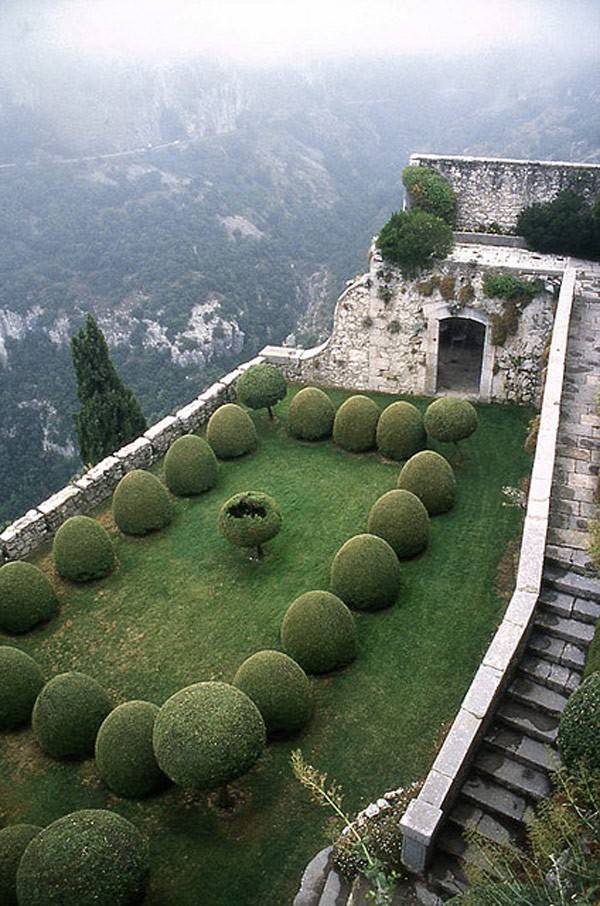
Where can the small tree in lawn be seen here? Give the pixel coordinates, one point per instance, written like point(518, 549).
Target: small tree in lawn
point(450, 420)
point(249, 520)
point(261, 387)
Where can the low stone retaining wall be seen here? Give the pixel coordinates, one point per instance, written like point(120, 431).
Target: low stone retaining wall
point(38, 525)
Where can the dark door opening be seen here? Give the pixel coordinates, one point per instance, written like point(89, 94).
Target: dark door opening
point(460, 355)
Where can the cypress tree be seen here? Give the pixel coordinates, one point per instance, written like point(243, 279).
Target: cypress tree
point(110, 415)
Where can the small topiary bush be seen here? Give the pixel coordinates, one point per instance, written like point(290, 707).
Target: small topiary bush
point(124, 754)
point(26, 597)
point(68, 713)
point(231, 432)
point(400, 431)
point(21, 680)
point(261, 387)
point(414, 240)
point(429, 191)
point(431, 478)
point(579, 729)
point(91, 856)
point(279, 688)
point(311, 414)
point(355, 424)
point(82, 550)
point(450, 419)
point(400, 518)
point(249, 520)
point(365, 573)
point(141, 504)
point(191, 466)
point(318, 631)
point(207, 735)
point(14, 840)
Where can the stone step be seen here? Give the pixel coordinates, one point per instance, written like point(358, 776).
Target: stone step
point(554, 676)
point(568, 630)
point(568, 558)
point(336, 890)
point(527, 692)
point(495, 798)
point(542, 727)
point(572, 583)
point(587, 611)
point(524, 749)
point(447, 875)
point(555, 650)
point(469, 816)
point(314, 879)
point(451, 841)
point(527, 781)
point(556, 602)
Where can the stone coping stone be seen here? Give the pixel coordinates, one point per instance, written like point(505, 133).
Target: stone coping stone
point(99, 482)
point(507, 644)
point(25, 534)
point(458, 744)
point(193, 416)
point(312, 883)
point(421, 821)
point(213, 397)
point(139, 454)
point(163, 433)
point(60, 506)
point(281, 355)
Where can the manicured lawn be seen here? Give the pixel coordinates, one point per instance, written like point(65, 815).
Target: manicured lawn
point(184, 607)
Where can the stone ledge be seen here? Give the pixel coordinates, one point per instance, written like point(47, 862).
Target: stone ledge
point(99, 482)
point(139, 454)
point(65, 503)
point(163, 433)
point(23, 536)
point(192, 416)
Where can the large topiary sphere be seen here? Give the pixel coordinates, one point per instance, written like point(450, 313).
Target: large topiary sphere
point(450, 419)
point(83, 550)
point(431, 478)
point(401, 519)
point(68, 713)
point(311, 414)
point(279, 688)
point(124, 754)
point(14, 840)
point(208, 734)
point(231, 432)
point(141, 504)
point(26, 597)
point(365, 573)
point(319, 632)
point(190, 466)
point(400, 431)
point(250, 519)
point(579, 730)
point(355, 424)
point(20, 683)
point(88, 858)
point(261, 387)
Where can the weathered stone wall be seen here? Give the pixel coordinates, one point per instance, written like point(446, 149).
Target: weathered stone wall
point(494, 191)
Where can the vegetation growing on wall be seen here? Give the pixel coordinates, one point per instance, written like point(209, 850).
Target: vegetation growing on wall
point(430, 192)
point(414, 240)
point(566, 226)
point(516, 295)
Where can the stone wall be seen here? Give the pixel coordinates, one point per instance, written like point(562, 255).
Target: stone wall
point(494, 191)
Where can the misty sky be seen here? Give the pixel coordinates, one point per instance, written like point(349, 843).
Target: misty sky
point(276, 31)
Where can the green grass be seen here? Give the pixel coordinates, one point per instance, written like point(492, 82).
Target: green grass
point(184, 607)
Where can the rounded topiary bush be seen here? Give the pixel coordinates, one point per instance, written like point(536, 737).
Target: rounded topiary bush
point(401, 519)
point(21, 680)
point(279, 688)
point(26, 597)
point(231, 432)
point(190, 466)
point(261, 387)
point(450, 419)
point(365, 573)
point(318, 631)
point(311, 414)
point(68, 713)
point(431, 478)
point(88, 858)
point(124, 753)
point(14, 840)
point(400, 431)
point(355, 424)
point(579, 730)
point(82, 550)
point(250, 519)
point(141, 504)
point(207, 735)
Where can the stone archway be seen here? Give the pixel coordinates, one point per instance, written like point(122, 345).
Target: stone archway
point(459, 351)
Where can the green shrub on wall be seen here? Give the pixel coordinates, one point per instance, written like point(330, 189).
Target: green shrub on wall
point(124, 753)
point(82, 550)
point(355, 424)
point(21, 681)
point(318, 631)
point(26, 597)
point(365, 573)
point(191, 467)
point(414, 240)
point(429, 191)
point(565, 226)
point(231, 432)
point(68, 713)
point(311, 414)
point(279, 688)
point(400, 518)
point(400, 431)
point(261, 387)
point(141, 504)
point(431, 478)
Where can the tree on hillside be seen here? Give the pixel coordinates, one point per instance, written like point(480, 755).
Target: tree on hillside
point(110, 415)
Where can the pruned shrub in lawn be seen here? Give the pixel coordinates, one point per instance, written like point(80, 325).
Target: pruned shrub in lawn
point(191, 466)
point(68, 713)
point(365, 573)
point(21, 680)
point(279, 688)
point(26, 597)
point(311, 414)
point(355, 424)
point(249, 520)
point(261, 387)
point(431, 478)
point(450, 419)
point(231, 432)
point(318, 631)
point(14, 840)
point(400, 431)
point(141, 504)
point(208, 734)
point(82, 550)
point(400, 518)
point(92, 857)
point(579, 730)
point(124, 754)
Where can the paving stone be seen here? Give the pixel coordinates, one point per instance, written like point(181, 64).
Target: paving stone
point(569, 630)
point(525, 690)
point(522, 748)
point(519, 778)
point(543, 727)
point(495, 798)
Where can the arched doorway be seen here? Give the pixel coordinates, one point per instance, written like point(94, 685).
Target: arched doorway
point(460, 355)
